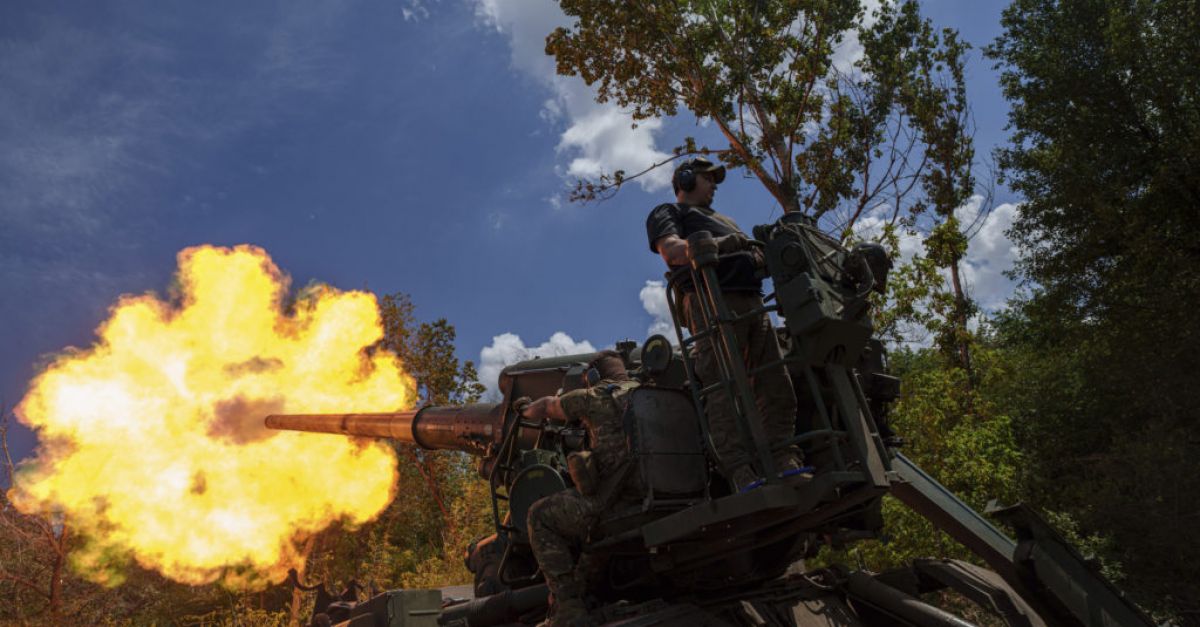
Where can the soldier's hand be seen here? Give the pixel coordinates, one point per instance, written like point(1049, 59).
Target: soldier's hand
point(759, 259)
point(732, 243)
point(581, 466)
point(521, 404)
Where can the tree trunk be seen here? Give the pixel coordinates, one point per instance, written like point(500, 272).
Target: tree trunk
point(56, 572)
point(960, 323)
point(427, 473)
point(789, 204)
point(297, 594)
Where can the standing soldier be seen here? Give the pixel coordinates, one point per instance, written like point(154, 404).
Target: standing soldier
point(668, 226)
point(559, 524)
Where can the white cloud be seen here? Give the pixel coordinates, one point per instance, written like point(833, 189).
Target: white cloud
point(990, 253)
point(598, 137)
point(870, 227)
point(509, 348)
point(415, 11)
point(654, 301)
point(850, 50)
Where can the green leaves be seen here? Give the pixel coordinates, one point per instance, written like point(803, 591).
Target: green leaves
point(957, 433)
point(427, 352)
point(1105, 148)
point(1104, 142)
point(821, 137)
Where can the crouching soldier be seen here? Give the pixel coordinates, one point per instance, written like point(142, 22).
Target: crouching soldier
point(559, 524)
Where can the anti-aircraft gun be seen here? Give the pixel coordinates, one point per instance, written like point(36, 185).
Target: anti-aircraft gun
point(692, 552)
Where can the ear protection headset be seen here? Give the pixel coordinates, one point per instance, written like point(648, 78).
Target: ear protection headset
point(685, 177)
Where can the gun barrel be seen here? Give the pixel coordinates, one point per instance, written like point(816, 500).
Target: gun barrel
point(469, 428)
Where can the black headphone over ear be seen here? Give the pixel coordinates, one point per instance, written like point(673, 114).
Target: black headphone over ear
point(685, 178)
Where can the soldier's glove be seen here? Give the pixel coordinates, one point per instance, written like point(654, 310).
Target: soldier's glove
point(732, 243)
point(521, 404)
point(582, 468)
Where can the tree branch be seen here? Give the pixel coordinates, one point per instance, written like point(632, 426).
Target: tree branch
point(586, 191)
point(5, 421)
point(6, 576)
point(431, 483)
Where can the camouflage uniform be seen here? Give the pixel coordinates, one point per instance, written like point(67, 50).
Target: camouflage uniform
point(559, 524)
point(775, 398)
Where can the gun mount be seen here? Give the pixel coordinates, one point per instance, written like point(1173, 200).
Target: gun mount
point(693, 553)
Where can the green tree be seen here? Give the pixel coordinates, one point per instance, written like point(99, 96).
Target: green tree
point(816, 135)
point(427, 351)
point(33, 551)
point(1106, 150)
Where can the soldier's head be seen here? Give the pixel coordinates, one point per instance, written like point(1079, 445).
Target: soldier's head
point(607, 365)
point(695, 181)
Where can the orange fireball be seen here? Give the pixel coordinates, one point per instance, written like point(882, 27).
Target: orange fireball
point(152, 439)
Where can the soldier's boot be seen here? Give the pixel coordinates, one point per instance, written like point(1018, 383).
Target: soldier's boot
point(743, 479)
point(570, 613)
point(568, 608)
point(791, 467)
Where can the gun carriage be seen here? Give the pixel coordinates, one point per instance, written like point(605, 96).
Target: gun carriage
point(692, 552)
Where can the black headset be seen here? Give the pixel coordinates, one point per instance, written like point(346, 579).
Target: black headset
point(685, 177)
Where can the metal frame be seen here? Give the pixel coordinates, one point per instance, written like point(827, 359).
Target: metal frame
point(716, 320)
point(848, 406)
point(501, 468)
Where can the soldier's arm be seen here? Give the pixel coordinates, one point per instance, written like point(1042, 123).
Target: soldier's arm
point(673, 249)
point(546, 407)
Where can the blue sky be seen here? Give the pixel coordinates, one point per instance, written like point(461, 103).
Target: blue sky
point(406, 145)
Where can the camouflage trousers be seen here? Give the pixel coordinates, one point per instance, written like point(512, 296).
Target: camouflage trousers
point(776, 400)
point(558, 527)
